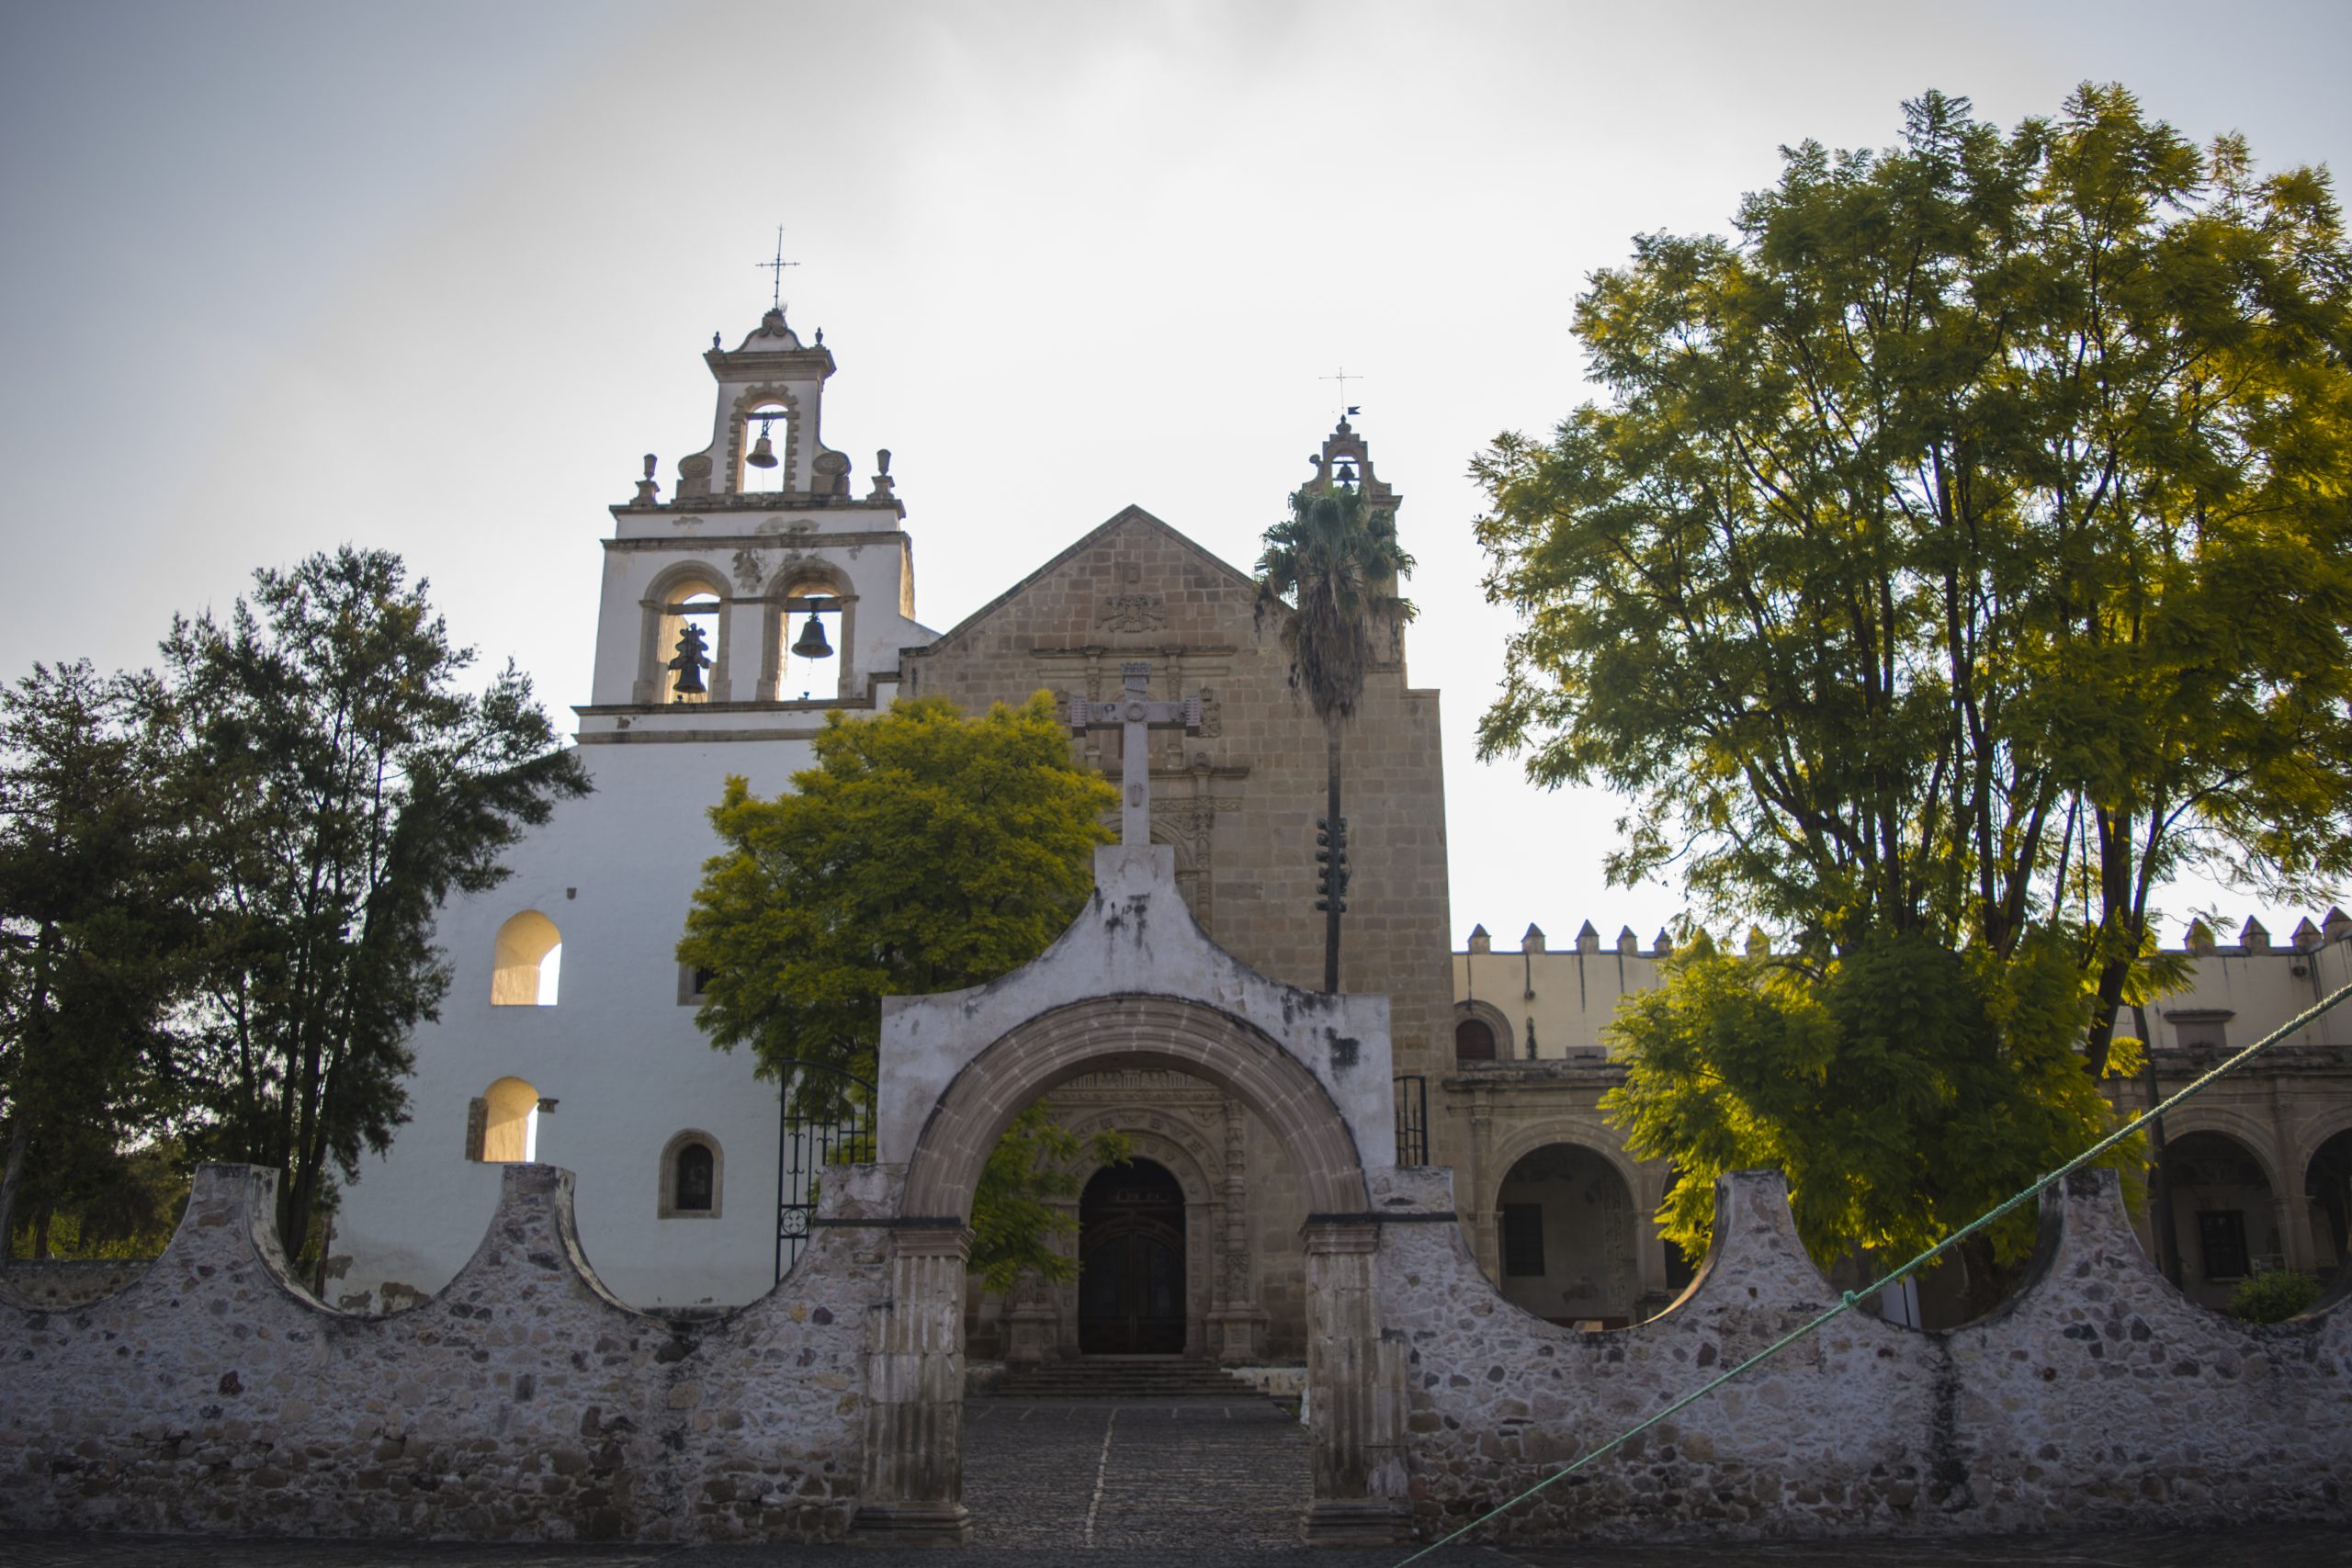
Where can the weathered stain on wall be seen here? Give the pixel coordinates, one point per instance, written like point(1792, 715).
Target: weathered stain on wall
point(2096, 1394)
point(524, 1401)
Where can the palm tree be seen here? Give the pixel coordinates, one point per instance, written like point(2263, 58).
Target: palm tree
point(1328, 575)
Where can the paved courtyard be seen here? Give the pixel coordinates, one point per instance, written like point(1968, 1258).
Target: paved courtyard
point(1180, 1484)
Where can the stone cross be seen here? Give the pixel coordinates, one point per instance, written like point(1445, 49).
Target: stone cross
point(1135, 717)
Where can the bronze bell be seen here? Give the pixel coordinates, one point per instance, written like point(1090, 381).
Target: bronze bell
point(812, 643)
point(763, 453)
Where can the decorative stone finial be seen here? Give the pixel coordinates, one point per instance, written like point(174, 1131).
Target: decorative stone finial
point(1479, 940)
point(1533, 942)
point(2306, 934)
point(1663, 945)
point(1759, 944)
point(648, 492)
point(2254, 936)
point(1627, 941)
point(1588, 939)
point(2199, 938)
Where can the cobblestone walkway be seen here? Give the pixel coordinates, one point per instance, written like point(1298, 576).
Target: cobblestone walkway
point(1107, 1474)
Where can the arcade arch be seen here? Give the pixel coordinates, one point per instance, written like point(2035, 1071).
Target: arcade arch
point(1568, 1238)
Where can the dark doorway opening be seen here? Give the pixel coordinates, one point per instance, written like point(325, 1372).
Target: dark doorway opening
point(1131, 1262)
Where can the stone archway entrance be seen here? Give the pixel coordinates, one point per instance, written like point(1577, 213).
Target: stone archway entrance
point(1131, 1262)
point(912, 1480)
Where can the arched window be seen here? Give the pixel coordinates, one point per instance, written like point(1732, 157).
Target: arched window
point(692, 1171)
point(527, 962)
point(697, 1177)
point(1473, 1041)
point(503, 1125)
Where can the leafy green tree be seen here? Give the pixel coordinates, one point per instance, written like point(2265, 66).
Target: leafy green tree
point(93, 935)
point(1965, 547)
point(343, 782)
point(1903, 1089)
point(924, 851)
point(1986, 498)
point(1328, 577)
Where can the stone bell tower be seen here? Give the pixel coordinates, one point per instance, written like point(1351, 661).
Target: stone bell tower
point(763, 581)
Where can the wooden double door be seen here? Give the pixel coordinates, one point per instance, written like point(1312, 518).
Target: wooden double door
point(1131, 1262)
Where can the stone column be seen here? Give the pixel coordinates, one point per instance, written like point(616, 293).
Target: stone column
point(1356, 1382)
point(1237, 1323)
point(911, 1481)
point(1485, 1244)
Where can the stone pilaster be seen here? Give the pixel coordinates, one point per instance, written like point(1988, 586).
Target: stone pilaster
point(1355, 1381)
point(1237, 1323)
point(912, 1474)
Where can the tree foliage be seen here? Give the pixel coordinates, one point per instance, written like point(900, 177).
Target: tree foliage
point(94, 937)
point(1965, 545)
point(1963, 550)
point(342, 784)
point(1328, 578)
point(924, 851)
point(1903, 1089)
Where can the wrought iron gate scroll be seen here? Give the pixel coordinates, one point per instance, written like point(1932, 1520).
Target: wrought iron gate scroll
point(824, 1117)
point(1412, 1118)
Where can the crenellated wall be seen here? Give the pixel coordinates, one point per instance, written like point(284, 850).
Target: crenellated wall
point(521, 1402)
point(2098, 1394)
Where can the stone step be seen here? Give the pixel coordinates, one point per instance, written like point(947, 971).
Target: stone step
point(1121, 1378)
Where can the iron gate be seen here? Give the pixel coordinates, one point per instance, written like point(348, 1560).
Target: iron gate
point(1412, 1120)
point(824, 1117)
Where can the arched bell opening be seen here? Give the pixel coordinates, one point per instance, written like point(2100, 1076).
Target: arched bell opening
point(764, 438)
point(1131, 1275)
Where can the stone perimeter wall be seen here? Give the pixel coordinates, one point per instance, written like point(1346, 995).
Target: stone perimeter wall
point(2098, 1394)
point(213, 1394)
point(521, 1402)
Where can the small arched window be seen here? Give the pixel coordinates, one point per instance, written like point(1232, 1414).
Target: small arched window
point(692, 1170)
point(695, 1176)
point(1473, 1041)
point(503, 1125)
point(528, 961)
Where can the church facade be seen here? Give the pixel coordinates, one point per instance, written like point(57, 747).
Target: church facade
point(764, 590)
point(770, 587)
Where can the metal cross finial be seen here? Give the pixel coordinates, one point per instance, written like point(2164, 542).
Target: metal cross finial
point(1134, 716)
point(1343, 378)
point(776, 267)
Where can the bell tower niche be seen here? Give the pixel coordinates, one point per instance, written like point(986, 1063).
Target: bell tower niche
point(762, 582)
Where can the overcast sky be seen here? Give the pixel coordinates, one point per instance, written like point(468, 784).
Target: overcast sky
point(434, 277)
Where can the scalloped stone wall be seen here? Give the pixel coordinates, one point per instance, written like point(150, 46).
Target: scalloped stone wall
point(2096, 1395)
point(523, 1401)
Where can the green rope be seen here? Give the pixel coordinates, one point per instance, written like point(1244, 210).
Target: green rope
point(1848, 1302)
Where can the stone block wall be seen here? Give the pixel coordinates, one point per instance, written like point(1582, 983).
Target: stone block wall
point(2098, 1394)
point(521, 1402)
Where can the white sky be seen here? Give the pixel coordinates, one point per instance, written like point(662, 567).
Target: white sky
point(433, 277)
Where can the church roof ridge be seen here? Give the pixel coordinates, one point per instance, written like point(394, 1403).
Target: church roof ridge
point(1128, 514)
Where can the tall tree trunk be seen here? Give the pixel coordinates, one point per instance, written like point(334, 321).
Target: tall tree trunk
point(1331, 898)
point(19, 1138)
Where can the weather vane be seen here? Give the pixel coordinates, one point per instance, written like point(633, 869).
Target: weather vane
point(776, 300)
point(1349, 409)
